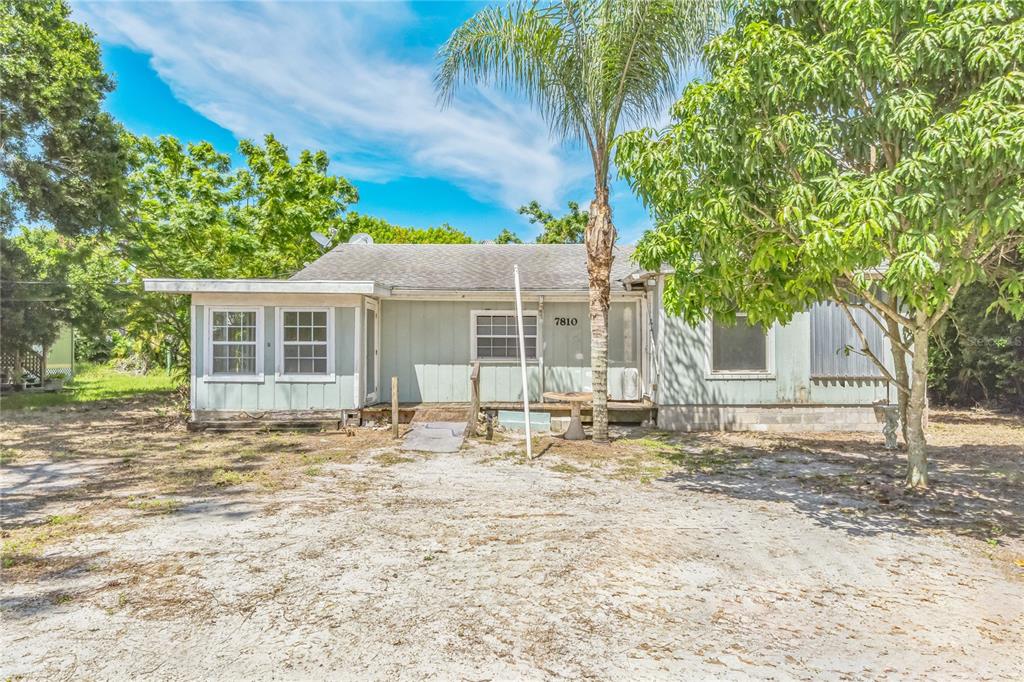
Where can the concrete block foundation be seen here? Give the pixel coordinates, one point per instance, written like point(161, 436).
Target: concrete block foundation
point(774, 418)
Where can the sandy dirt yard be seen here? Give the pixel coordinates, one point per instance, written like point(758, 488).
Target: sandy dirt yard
point(134, 549)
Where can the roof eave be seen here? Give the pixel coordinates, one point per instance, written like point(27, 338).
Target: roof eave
point(263, 286)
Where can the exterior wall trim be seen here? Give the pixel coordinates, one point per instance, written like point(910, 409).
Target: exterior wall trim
point(557, 296)
point(278, 300)
point(261, 286)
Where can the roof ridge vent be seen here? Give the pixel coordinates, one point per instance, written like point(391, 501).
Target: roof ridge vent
point(360, 238)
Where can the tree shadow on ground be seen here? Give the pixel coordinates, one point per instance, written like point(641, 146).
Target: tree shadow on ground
point(850, 482)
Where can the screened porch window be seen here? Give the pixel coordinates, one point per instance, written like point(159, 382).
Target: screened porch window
point(739, 348)
point(233, 342)
point(495, 336)
point(305, 342)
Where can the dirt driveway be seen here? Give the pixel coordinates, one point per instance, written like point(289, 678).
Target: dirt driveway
point(136, 550)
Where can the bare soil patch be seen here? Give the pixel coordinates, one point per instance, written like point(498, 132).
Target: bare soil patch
point(136, 549)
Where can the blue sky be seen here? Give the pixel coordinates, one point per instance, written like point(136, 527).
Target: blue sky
point(353, 79)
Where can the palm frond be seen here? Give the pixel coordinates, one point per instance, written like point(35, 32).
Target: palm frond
point(588, 66)
point(516, 48)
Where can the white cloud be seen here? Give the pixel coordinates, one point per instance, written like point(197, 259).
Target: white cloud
point(322, 75)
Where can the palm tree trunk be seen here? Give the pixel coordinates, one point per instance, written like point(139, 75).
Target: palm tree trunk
point(600, 239)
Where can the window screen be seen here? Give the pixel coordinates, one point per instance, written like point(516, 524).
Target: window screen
point(742, 347)
point(497, 337)
point(233, 339)
point(304, 341)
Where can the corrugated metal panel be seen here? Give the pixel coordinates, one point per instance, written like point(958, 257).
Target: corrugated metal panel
point(835, 343)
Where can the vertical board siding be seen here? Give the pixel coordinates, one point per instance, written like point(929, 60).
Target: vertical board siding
point(832, 334)
point(683, 371)
point(428, 346)
point(270, 394)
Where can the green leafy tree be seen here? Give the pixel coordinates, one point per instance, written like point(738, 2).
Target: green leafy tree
point(61, 162)
point(590, 68)
point(567, 229)
point(978, 353)
point(507, 236)
point(384, 232)
point(30, 308)
point(280, 203)
point(191, 214)
point(60, 157)
point(867, 152)
point(91, 284)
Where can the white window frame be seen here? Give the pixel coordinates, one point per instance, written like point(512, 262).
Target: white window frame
point(769, 349)
point(510, 313)
point(371, 397)
point(279, 344)
point(208, 375)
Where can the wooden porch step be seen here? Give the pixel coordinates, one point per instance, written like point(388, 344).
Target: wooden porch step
point(440, 414)
point(260, 425)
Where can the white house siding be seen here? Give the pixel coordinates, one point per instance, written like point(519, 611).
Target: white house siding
point(427, 345)
point(269, 394)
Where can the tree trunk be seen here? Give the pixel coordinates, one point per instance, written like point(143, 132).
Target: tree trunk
point(917, 455)
point(899, 361)
point(18, 370)
point(600, 239)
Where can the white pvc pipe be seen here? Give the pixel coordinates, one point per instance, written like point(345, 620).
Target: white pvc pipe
point(522, 363)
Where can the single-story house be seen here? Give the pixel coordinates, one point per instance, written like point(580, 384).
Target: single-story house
point(329, 340)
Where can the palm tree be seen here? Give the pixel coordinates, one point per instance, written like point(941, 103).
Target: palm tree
point(588, 66)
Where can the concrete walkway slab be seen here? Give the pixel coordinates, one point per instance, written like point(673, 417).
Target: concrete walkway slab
point(435, 437)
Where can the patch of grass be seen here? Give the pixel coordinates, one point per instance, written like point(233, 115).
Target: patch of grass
point(313, 470)
point(228, 477)
point(62, 519)
point(155, 505)
point(26, 544)
point(7, 456)
point(643, 458)
point(92, 383)
point(714, 460)
point(651, 442)
point(392, 458)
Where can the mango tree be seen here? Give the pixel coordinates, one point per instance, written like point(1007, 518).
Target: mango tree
point(870, 153)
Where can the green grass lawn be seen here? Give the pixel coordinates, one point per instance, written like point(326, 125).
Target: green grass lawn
point(93, 383)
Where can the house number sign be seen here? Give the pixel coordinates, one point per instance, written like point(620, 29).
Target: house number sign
point(566, 321)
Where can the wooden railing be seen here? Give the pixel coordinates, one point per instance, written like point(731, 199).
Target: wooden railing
point(30, 362)
point(474, 401)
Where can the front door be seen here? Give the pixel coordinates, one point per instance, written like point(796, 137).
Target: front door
point(372, 345)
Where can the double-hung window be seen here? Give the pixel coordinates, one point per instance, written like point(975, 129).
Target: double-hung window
point(740, 348)
point(496, 336)
point(304, 350)
point(234, 340)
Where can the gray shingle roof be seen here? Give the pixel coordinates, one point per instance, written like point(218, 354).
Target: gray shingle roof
point(463, 267)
